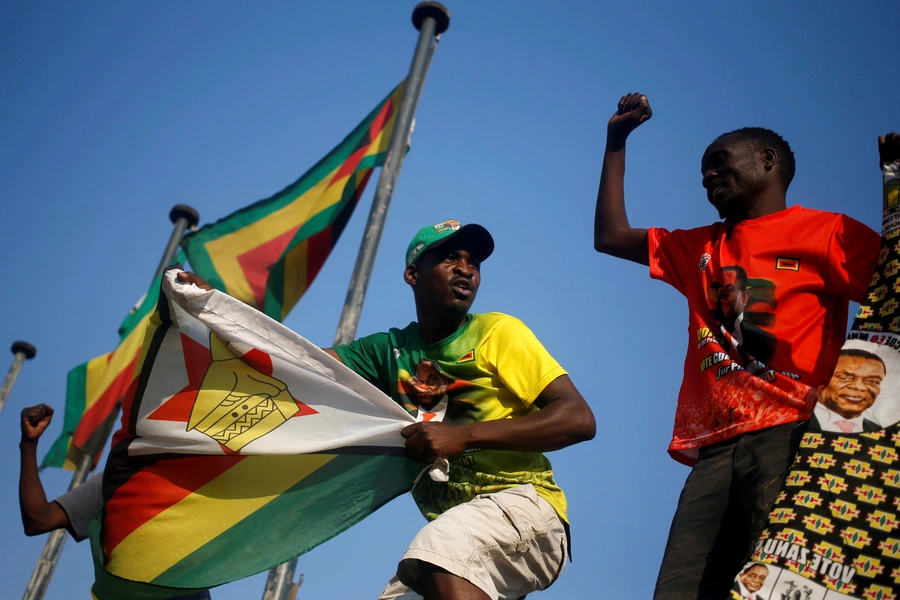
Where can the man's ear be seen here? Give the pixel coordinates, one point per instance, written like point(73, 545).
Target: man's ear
point(410, 275)
point(770, 158)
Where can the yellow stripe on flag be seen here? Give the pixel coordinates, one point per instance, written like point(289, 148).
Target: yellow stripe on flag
point(224, 251)
point(203, 515)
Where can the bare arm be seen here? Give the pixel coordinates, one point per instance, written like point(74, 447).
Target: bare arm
point(38, 515)
point(613, 234)
point(564, 419)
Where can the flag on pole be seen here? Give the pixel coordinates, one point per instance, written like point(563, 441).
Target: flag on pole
point(268, 253)
point(242, 446)
point(834, 531)
point(81, 384)
point(94, 389)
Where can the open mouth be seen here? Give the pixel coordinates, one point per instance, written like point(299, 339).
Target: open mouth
point(462, 287)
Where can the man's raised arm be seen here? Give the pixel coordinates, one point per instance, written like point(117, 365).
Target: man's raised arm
point(612, 233)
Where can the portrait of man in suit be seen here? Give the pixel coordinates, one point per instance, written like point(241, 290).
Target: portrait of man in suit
point(749, 582)
point(733, 301)
point(845, 403)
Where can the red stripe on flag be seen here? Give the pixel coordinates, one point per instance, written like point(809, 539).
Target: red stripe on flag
point(104, 405)
point(318, 247)
point(381, 119)
point(155, 488)
point(350, 164)
point(255, 263)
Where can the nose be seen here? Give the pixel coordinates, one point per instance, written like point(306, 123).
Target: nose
point(464, 268)
point(708, 176)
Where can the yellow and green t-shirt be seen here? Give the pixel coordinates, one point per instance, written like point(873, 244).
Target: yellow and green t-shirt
point(491, 368)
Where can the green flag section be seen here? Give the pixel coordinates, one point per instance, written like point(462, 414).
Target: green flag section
point(268, 253)
point(95, 389)
point(834, 532)
point(247, 514)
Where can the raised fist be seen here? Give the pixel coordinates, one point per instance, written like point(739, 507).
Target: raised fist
point(35, 420)
point(633, 109)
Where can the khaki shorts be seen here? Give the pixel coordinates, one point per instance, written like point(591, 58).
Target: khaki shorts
point(508, 544)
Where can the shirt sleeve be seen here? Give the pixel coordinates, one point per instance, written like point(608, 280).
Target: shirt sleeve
point(522, 363)
point(666, 249)
point(367, 357)
point(852, 258)
point(82, 505)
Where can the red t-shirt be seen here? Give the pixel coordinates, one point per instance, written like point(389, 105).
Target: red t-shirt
point(768, 316)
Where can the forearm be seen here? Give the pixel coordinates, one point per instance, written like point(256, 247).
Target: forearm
point(38, 515)
point(561, 424)
point(613, 234)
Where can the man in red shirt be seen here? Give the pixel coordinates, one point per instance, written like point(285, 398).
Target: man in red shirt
point(768, 291)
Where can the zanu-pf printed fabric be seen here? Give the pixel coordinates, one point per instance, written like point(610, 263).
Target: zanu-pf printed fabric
point(834, 532)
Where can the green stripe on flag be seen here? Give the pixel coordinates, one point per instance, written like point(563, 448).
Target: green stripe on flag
point(76, 399)
point(325, 503)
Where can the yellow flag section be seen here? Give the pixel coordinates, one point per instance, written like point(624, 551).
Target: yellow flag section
point(268, 253)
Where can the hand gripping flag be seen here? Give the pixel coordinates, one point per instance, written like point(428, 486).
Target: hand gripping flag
point(242, 446)
point(268, 253)
point(835, 529)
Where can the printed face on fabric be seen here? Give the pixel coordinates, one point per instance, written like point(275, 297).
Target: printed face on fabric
point(446, 278)
point(754, 577)
point(854, 386)
point(732, 175)
point(733, 294)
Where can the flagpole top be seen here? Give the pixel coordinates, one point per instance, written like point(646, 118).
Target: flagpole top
point(183, 211)
point(25, 348)
point(436, 11)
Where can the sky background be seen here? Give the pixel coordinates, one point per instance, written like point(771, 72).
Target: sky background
point(112, 112)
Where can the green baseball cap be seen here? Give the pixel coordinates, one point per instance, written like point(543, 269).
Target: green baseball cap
point(434, 235)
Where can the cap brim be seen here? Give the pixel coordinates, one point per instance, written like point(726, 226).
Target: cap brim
point(482, 241)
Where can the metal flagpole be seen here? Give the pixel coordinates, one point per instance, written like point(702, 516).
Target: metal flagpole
point(22, 351)
point(183, 217)
point(431, 19)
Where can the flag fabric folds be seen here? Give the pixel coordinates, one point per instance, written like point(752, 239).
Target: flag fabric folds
point(242, 445)
point(268, 253)
point(95, 389)
point(834, 532)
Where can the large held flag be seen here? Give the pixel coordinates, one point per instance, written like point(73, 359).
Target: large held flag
point(268, 253)
point(834, 532)
point(94, 389)
point(242, 445)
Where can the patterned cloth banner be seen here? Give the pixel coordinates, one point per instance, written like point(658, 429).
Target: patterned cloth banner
point(242, 446)
point(268, 253)
point(834, 532)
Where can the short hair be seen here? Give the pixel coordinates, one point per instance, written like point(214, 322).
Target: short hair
point(857, 353)
point(752, 565)
point(760, 138)
point(740, 273)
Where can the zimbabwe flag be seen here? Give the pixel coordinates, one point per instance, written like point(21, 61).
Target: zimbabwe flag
point(242, 445)
point(268, 253)
point(95, 388)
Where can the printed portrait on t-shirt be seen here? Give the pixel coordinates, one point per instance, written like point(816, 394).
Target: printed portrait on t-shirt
point(744, 308)
point(862, 394)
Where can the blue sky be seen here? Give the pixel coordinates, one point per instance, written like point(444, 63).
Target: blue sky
point(112, 112)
